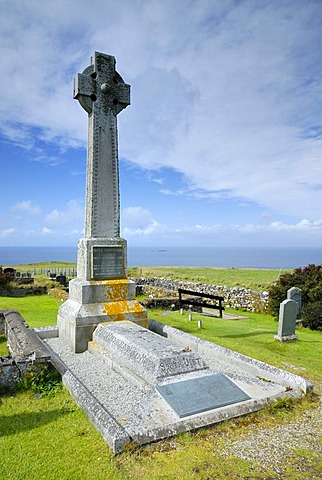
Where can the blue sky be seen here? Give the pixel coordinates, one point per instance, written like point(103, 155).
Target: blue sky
point(222, 142)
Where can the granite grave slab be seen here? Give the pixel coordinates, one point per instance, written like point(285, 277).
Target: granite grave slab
point(145, 353)
point(200, 394)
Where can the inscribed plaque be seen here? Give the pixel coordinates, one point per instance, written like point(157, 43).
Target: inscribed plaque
point(201, 394)
point(108, 262)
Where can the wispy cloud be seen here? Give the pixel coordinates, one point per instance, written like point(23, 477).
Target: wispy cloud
point(7, 232)
point(69, 217)
point(26, 207)
point(139, 221)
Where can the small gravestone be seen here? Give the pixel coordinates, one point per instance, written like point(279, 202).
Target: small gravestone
point(295, 294)
point(287, 321)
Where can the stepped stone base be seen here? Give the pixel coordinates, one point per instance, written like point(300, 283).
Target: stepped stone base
point(132, 408)
point(93, 302)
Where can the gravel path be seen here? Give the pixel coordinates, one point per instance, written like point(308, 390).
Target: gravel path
point(275, 448)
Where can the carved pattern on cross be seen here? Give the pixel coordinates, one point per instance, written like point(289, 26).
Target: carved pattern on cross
point(103, 94)
point(101, 84)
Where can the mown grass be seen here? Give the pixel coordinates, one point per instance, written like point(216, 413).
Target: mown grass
point(50, 438)
point(253, 335)
point(37, 311)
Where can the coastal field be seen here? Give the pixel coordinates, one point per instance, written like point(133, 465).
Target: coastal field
point(244, 277)
point(50, 437)
point(232, 277)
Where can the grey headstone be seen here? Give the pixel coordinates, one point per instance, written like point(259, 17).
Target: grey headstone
point(295, 294)
point(201, 394)
point(287, 321)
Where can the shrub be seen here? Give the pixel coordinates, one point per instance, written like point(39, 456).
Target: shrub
point(5, 279)
point(312, 315)
point(308, 279)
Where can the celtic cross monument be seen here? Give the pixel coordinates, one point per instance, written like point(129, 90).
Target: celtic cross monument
point(101, 292)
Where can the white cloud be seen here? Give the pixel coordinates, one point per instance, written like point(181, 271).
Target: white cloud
point(68, 219)
point(304, 226)
point(139, 221)
point(7, 232)
point(26, 207)
point(227, 93)
point(273, 233)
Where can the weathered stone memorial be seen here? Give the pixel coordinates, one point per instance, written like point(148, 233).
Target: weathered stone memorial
point(101, 292)
point(139, 380)
point(287, 321)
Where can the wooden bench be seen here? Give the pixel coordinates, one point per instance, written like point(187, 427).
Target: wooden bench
point(196, 303)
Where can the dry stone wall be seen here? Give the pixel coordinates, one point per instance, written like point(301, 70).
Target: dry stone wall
point(234, 297)
point(27, 351)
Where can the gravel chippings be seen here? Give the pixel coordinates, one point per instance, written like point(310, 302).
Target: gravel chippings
point(275, 447)
point(109, 387)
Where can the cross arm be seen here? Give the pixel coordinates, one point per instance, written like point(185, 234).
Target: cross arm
point(84, 88)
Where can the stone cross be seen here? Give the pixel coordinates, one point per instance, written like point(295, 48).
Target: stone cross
point(101, 292)
point(102, 92)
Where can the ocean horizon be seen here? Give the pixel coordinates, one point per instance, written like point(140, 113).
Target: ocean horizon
point(218, 257)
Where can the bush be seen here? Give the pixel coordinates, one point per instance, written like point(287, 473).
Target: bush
point(312, 315)
point(309, 280)
point(5, 279)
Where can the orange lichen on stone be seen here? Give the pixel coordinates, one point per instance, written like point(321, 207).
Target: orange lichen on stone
point(114, 308)
point(125, 310)
point(117, 290)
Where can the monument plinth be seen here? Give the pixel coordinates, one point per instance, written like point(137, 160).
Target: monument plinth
point(101, 292)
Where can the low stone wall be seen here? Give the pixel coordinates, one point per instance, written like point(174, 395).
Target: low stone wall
point(234, 297)
point(27, 350)
point(162, 303)
point(12, 372)
point(23, 292)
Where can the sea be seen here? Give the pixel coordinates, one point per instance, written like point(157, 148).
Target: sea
point(220, 257)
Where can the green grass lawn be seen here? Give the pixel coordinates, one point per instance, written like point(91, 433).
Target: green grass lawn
point(51, 438)
point(37, 311)
point(254, 336)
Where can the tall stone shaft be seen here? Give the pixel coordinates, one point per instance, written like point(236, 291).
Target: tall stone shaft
point(101, 292)
point(102, 92)
point(102, 206)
